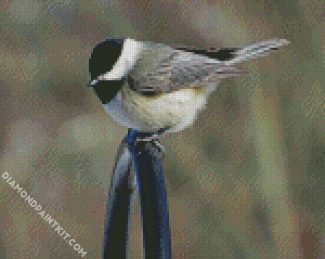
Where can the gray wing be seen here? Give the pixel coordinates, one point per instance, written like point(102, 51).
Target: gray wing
point(163, 69)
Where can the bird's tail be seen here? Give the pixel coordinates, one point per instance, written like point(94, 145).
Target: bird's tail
point(255, 50)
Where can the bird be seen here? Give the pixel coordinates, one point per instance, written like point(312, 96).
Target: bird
point(155, 88)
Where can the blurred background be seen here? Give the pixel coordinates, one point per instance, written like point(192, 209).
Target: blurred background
point(246, 181)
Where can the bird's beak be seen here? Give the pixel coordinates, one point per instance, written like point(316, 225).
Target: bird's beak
point(91, 83)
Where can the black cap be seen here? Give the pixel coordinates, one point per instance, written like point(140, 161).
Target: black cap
point(104, 57)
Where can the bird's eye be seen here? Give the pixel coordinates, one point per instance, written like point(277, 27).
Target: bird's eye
point(106, 90)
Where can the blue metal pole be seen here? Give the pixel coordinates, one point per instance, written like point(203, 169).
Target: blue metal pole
point(142, 151)
point(119, 203)
point(150, 176)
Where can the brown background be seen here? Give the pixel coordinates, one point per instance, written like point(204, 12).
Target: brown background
point(246, 181)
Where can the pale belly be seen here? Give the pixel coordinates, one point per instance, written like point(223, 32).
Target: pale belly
point(176, 110)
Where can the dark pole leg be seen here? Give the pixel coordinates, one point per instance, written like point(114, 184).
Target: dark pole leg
point(118, 207)
point(150, 176)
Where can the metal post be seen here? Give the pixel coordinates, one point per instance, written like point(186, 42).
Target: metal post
point(149, 171)
point(144, 152)
point(118, 206)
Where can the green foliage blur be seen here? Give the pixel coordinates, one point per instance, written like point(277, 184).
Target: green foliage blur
point(246, 181)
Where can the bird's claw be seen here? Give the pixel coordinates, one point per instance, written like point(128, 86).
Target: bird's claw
point(154, 139)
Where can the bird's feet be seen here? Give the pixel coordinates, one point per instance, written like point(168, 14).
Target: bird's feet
point(153, 139)
point(135, 137)
point(160, 147)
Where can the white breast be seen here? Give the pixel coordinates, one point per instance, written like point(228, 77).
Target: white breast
point(176, 110)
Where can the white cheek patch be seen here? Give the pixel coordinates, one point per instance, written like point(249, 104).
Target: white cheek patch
point(129, 55)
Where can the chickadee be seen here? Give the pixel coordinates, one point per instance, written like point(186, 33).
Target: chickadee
point(152, 87)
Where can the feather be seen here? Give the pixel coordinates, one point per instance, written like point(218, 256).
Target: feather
point(173, 69)
point(256, 50)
